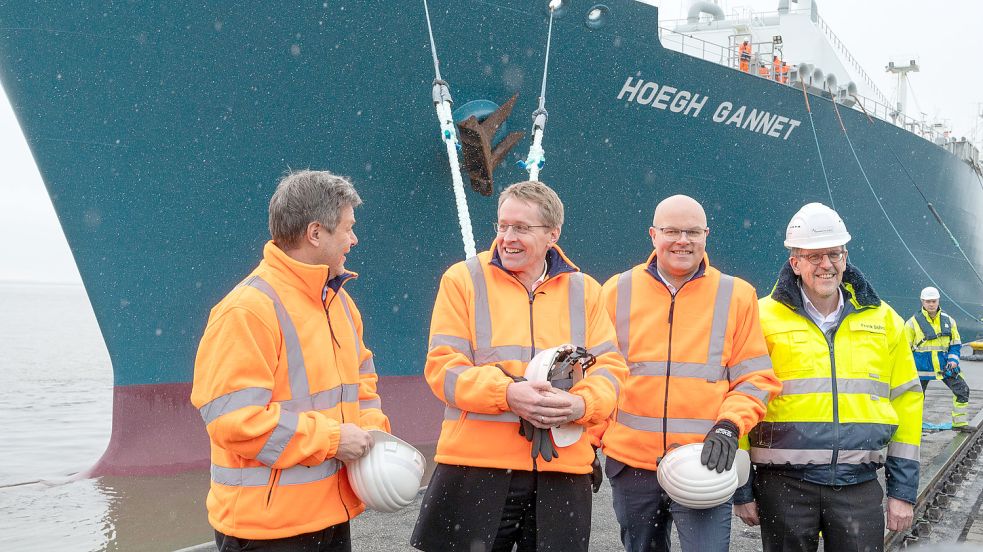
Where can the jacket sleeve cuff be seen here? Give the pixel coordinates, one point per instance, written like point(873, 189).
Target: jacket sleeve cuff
point(500, 395)
point(590, 408)
point(744, 494)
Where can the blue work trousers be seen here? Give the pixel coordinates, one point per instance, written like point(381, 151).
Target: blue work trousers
point(646, 514)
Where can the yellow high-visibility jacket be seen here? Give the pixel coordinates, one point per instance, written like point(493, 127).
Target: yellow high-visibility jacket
point(845, 395)
point(931, 355)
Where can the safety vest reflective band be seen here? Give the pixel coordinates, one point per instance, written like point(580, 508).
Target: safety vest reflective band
point(712, 370)
point(302, 400)
point(825, 385)
point(260, 476)
point(820, 457)
point(913, 386)
point(903, 450)
point(484, 353)
point(928, 332)
point(482, 315)
point(780, 442)
point(664, 425)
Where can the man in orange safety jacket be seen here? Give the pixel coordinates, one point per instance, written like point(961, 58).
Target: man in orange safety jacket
point(285, 384)
point(745, 56)
point(493, 313)
point(699, 372)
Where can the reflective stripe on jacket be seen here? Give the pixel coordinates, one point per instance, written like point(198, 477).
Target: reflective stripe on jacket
point(931, 355)
point(280, 366)
point(694, 359)
point(483, 318)
point(846, 395)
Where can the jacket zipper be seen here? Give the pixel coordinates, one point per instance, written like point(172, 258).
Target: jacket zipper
point(836, 404)
point(334, 356)
point(830, 337)
point(665, 404)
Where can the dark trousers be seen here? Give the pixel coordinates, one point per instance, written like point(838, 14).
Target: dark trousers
point(486, 509)
point(337, 538)
point(793, 512)
point(956, 384)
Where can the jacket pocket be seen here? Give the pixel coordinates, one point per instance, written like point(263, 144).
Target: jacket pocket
point(789, 352)
point(271, 488)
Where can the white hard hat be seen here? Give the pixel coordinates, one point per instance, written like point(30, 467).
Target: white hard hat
point(388, 477)
point(930, 293)
point(816, 226)
point(690, 483)
point(537, 370)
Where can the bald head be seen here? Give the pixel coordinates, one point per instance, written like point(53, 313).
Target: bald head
point(684, 211)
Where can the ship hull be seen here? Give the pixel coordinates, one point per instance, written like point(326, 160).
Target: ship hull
point(161, 130)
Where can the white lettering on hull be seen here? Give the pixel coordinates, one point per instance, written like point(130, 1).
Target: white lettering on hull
point(690, 103)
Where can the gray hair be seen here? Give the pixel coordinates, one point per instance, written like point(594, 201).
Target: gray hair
point(306, 196)
point(537, 193)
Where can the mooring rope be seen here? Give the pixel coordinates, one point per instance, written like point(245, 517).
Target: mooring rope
point(442, 103)
point(893, 227)
point(812, 124)
point(536, 158)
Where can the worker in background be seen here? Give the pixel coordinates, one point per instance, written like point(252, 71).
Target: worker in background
point(849, 390)
point(745, 56)
point(784, 73)
point(700, 372)
point(763, 71)
point(934, 339)
point(494, 489)
point(776, 68)
point(285, 384)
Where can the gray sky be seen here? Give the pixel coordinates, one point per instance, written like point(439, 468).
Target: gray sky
point(940, 35)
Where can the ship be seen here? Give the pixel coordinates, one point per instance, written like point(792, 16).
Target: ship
point(160, 130)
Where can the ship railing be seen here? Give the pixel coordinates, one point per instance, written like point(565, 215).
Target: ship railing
point(848, 57)
point(696, 47)
point(728, 57)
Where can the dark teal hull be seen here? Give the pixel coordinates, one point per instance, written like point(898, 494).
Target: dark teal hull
point(161, 130)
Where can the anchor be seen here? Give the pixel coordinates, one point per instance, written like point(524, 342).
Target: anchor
point(479, 158)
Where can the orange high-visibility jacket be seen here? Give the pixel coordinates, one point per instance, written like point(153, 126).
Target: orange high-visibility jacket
point(695, 358)
point(280, 367)
point(777, 69)
point(483, 317)
point(745, 56)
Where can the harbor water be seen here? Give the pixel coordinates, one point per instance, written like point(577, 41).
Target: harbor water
point(56, 407)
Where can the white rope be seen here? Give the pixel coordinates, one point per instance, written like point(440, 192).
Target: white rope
point(537, 156)
point(442, 104)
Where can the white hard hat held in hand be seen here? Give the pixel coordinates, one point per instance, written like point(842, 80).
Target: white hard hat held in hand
point(388, 477)
point(687, 481)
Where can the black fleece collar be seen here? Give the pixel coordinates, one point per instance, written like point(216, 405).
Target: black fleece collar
point(856, 287)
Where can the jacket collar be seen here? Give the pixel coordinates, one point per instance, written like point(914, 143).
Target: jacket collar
point(855, 286)
point(556, 261)
point(312, 280)
point(652, 267)
point(938, 315)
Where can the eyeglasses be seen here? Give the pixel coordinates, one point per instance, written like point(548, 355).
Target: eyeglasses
point(817, 258)
point(692, 234)
point(502, 228)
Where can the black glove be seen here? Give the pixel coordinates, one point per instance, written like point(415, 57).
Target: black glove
point(597, 475)
point(720, 446)
point(541, 439)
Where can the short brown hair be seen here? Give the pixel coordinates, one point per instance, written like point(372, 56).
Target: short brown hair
point(537, 193)
point(306, 196)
